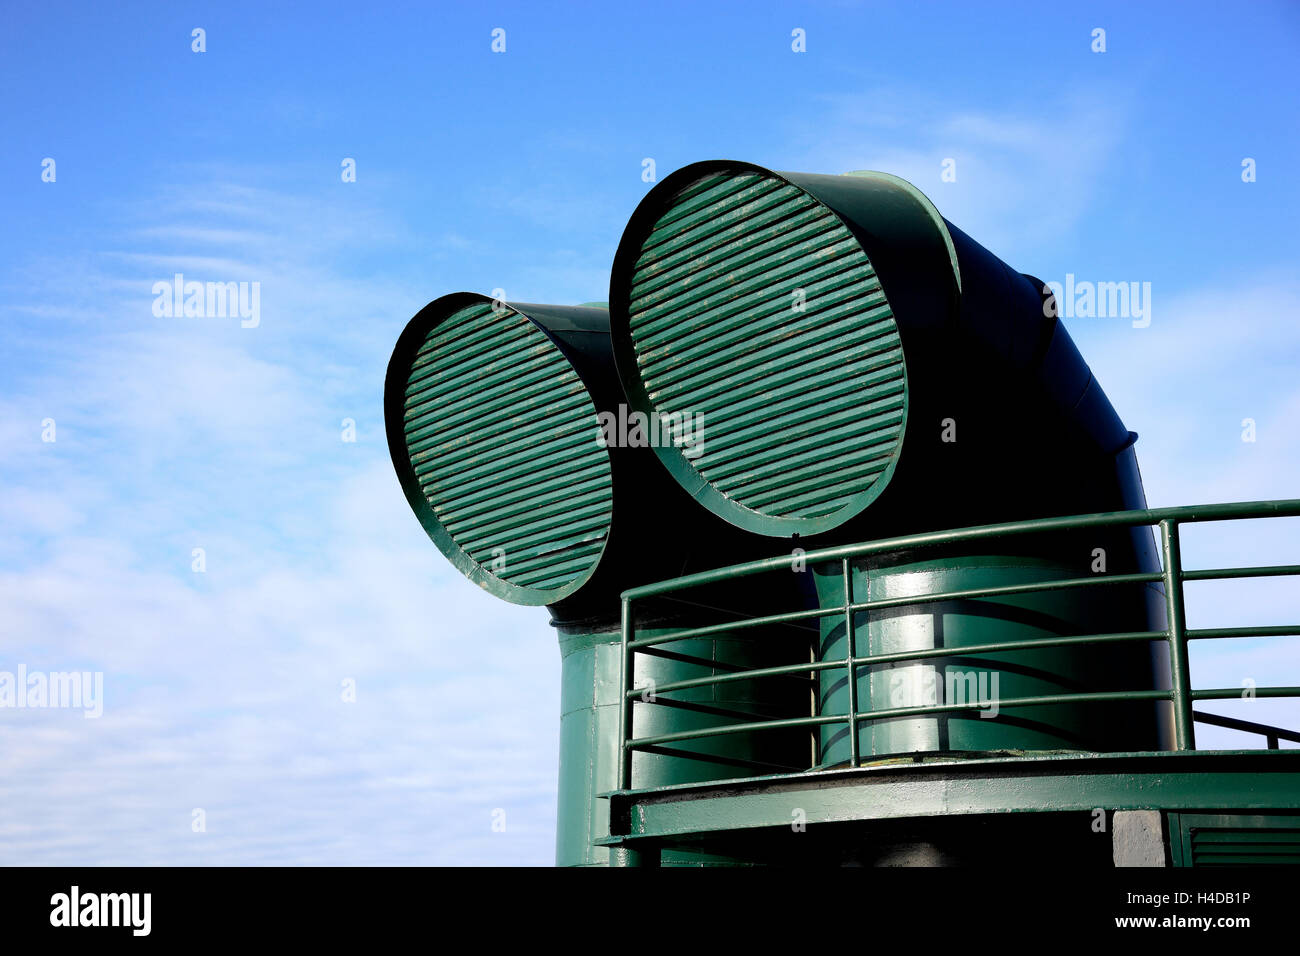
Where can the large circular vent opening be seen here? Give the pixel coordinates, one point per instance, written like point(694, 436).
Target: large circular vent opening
point(499, 438)
point(755, 315)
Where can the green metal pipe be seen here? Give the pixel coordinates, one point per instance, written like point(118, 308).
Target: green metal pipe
point(1033, 587)
point(972, 650)
point(601, 705)
point(901, 656)
point(851, 655)
point(625, 679)
point(1180, 667)
point(845, 346)
point(729, 627)
point(1236, 693)
point(1038, 701)
point(785, 723)
point(923, 711)
point(1267, 571)
point(1227, 511)
point(1214, 633)
point(1273, 734)
point(783, 670)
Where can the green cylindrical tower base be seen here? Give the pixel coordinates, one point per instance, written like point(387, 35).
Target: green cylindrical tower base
point(988, 678)
point(590, 732)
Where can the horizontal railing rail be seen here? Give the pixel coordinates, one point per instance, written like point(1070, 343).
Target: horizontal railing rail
point(1172, 577)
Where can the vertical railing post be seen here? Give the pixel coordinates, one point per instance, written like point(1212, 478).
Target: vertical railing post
point(852, 664)
point(627, 679)
point(1180, 671)
point(814, 703)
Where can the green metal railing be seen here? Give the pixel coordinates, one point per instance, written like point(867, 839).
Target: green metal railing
point(1172, 576)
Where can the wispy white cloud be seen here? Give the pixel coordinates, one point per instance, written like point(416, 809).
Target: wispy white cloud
point(223, 691)
point(224, 688)
point(1020, 180)
point(1212, 357)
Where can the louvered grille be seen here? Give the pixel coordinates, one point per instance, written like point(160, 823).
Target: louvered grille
point(502, 436)
point(1245, 846)
point(754, 311)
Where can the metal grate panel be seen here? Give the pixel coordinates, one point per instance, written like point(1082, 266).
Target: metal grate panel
point(1245, 846)
point(502, 436)
point(754, 310)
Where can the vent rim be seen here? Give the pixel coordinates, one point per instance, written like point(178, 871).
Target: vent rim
point(409, 344)
point(656, 204)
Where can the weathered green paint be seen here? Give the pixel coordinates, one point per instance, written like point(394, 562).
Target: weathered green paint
point(590, 732)
point(1234, 839)
point(1257, 781)
point(754, 311)
point(589, 745)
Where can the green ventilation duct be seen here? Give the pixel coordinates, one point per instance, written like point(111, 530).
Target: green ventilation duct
point(513, 443)
point(751, 306)
point(859, 368)
point(492, 435)
point(498, 418)
point(848, 366)
point(855, 361)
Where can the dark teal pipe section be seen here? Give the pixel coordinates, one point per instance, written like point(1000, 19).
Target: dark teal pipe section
point(590, 729)
point(656, 531)
point(986, 678)
point(1005, 422)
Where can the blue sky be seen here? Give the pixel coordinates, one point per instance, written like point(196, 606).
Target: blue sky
point(517, 170)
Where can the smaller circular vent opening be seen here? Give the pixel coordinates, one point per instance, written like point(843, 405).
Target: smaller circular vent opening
point(495, 439)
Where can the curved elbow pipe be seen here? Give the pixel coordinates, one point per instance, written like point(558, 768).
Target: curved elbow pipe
point(858, 363)
point(508, 430)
